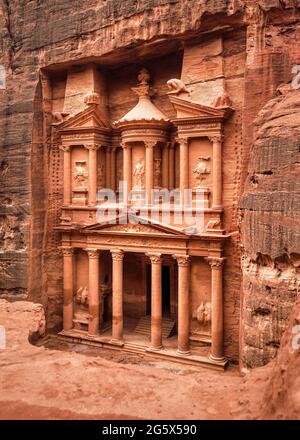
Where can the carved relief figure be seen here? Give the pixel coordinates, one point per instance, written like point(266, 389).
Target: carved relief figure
point(139, 171)
point(176, 87)
point(201, 169)
point(203, 313)
point(80, 173)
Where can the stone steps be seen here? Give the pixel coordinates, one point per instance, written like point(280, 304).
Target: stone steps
point(144, 326)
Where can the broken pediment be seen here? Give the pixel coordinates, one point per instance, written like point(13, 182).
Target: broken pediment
point(187, 109)
point(91, 117)
point(136, 225)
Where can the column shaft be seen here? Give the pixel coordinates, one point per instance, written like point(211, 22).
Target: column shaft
point(93, 294)
point(217, 343)
point(183, 305)
point(92, 175)
point(68, 288)
point(107, 168)
point(156, 302)
point(127, 172)
point(149, 170)
point(184, 168)
point(171, 166)
point(117, 295)
point(165, 166)
point(113, 169)
point(217, 173)
point(67, 176)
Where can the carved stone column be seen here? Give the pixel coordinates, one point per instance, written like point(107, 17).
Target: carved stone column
point(108, 167)
point(94, 294)
point(217, 187)
point(117, 294)
point(171, 165)
point(92, 198)
point(165, 165)
point(217, 343)
point(67, 196)
point(113, 169)
point(149, 169)
point(184, 167)
point(183, 262)
point(68, 253)
point(127, 170)
point(156, 301)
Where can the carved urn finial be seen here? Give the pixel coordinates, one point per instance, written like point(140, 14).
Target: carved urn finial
point(92, 99)
point(144, 76)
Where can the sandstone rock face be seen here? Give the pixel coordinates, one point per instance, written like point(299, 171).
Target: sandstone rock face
point(270, 228)
point(282, 397)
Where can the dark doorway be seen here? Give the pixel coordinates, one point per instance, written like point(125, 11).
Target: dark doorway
point(166, 295)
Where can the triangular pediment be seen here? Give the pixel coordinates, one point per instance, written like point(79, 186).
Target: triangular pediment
point(91, 117)
point(133, 225)
point(190, 109)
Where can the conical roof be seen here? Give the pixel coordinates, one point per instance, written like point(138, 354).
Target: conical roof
point(144, 110)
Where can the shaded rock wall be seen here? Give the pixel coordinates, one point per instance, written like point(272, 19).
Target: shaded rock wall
point(270, 229)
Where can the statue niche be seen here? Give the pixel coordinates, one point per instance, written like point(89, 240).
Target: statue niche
point(201, 170)
point(80, 179)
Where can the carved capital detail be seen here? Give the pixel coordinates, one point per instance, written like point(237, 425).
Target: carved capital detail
point(215, 262)
point(125, 145)
point(216, 138)
point(182, 141)
point(117, 254)
point(65, 148)
point(182, 260)
point(67, 251)
point(92, 147)
point(155, 258)
point(92, 253)
point(150, 144)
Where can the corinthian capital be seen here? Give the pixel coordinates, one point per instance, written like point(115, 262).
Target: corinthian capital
point(155, 258)
point(182, 140)
point(117, 254)
point(215, 262)
point(182, 260)
point(150, 143)
point(92, 147)
point(92, 253)
point(67, 251)
point(65, 148)
point(216, 138)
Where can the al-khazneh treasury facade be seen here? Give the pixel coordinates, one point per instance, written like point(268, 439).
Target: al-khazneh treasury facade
point(142, 283)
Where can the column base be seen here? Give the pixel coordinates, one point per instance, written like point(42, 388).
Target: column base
point(90, 336)
point(183, 353)
point(220, 207)
point(221, 359)
point(155, 348)
point(118, 342)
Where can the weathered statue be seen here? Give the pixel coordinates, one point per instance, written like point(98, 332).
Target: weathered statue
point(80, 174)
point(139, 171)
point(201, 168)
point(176, 87)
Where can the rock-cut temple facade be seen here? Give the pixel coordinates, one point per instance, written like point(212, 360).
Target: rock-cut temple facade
point(142, 233)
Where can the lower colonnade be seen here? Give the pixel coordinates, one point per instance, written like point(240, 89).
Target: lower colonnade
point(183, 318)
